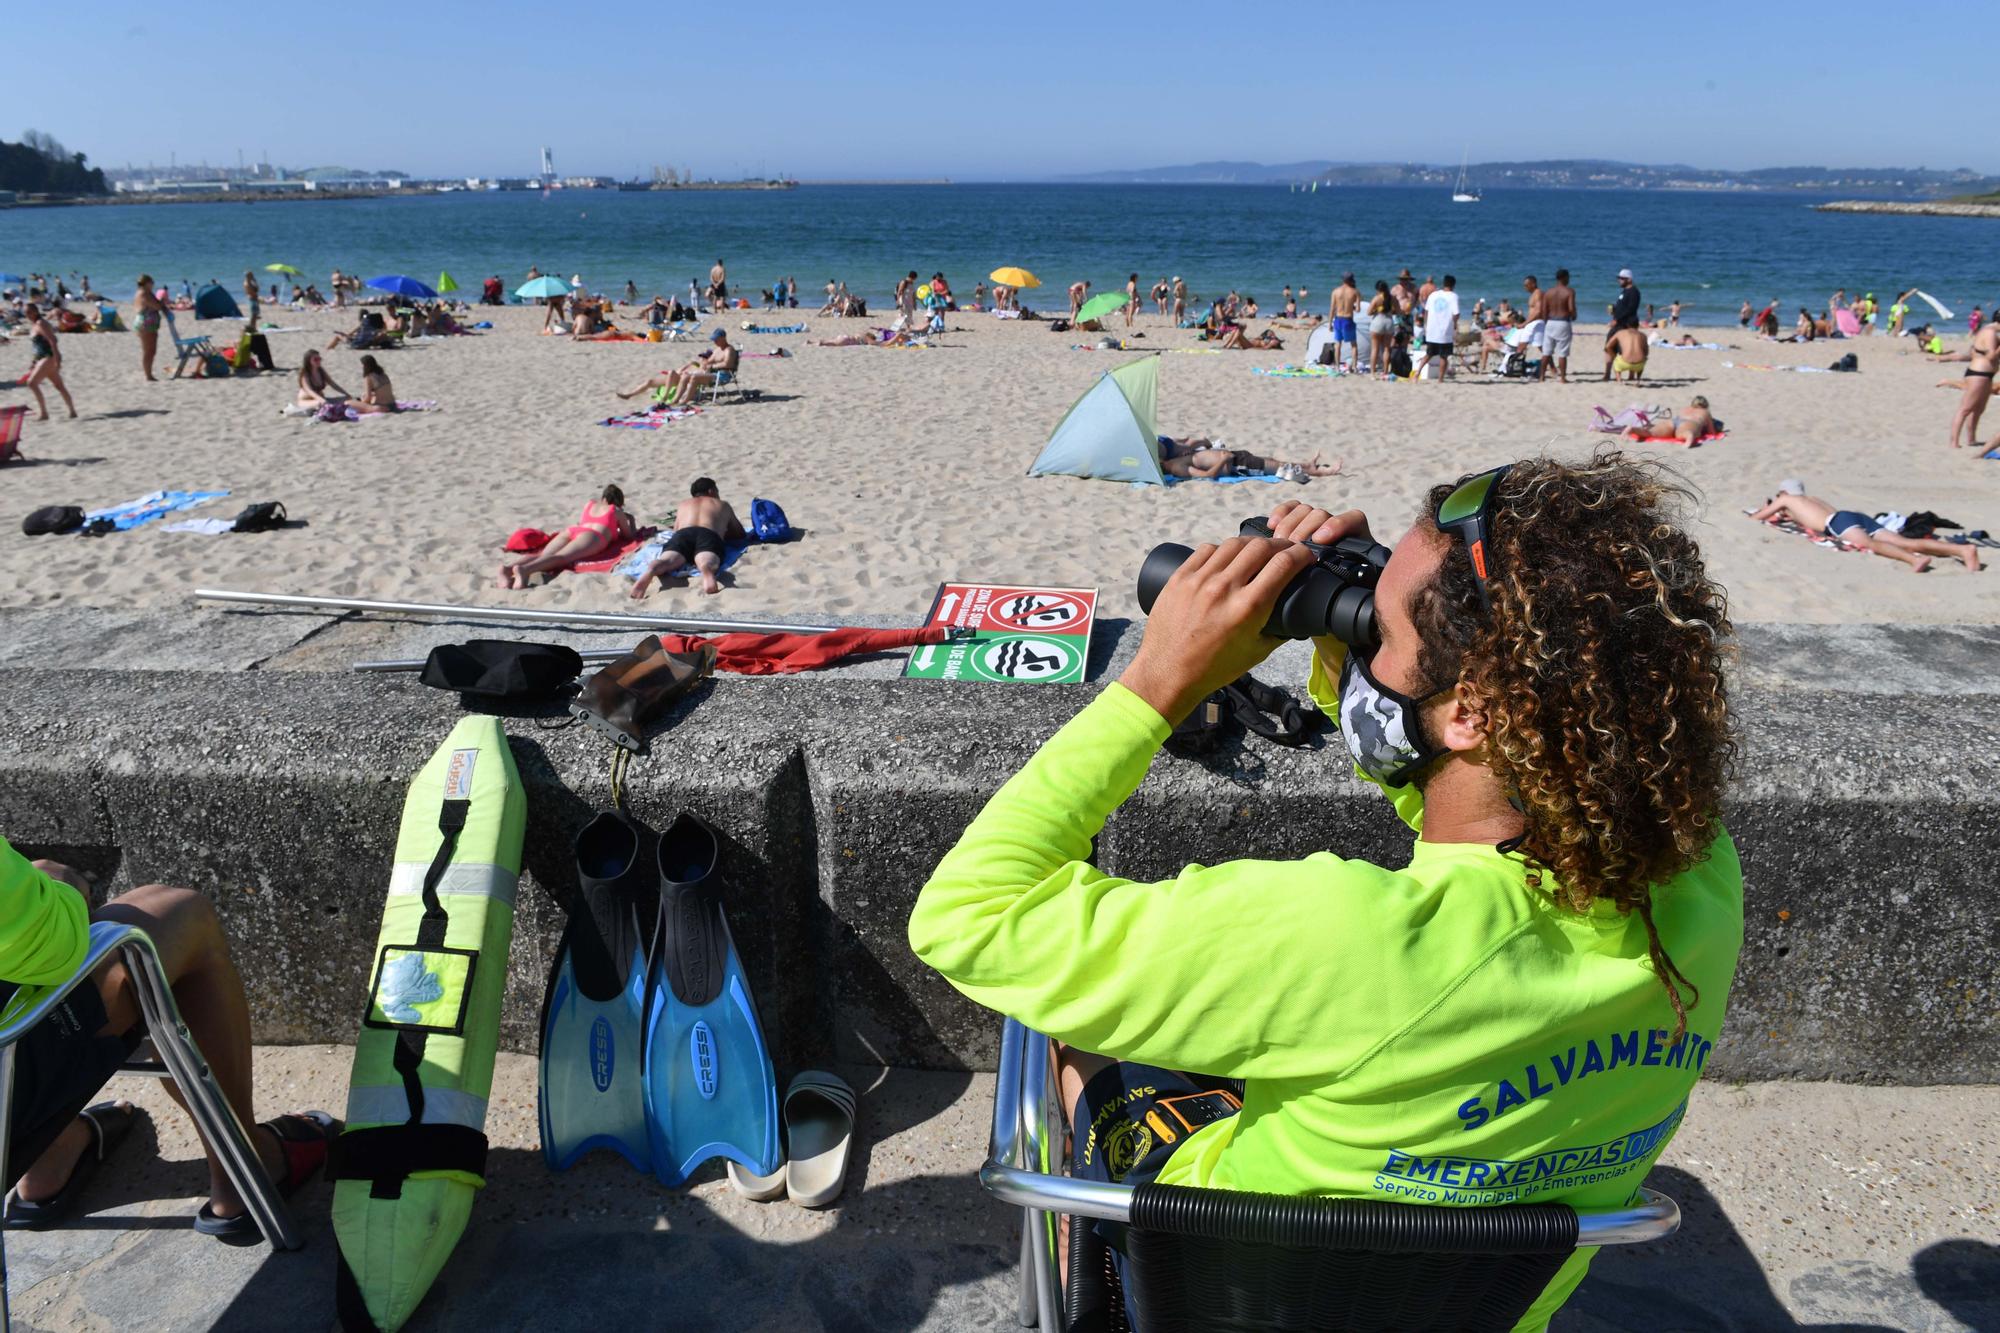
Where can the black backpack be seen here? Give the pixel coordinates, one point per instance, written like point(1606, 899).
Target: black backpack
point(52, 518)
point(260, 517)
point(503, 669)
point(1848, 362)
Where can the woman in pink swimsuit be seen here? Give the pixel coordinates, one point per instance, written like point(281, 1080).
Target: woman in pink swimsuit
point(603, 522)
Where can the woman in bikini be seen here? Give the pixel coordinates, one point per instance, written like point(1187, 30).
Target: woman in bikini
point(147, 323)
point(377, 394)
point(603, 521)
point(1381, 328)
point(316, 387)
point(48, 363)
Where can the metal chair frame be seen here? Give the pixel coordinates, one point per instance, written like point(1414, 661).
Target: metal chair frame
point(176, 1057)
point(1027, 1121)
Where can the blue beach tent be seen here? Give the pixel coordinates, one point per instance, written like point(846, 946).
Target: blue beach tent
point(211, 302)
point(1109, 433)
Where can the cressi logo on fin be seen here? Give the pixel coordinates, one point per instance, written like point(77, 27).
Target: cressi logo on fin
point(701, 1053)
point(603, 1055)
point(458, 775)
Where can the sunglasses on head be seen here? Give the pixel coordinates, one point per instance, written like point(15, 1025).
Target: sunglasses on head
point(1468, 512)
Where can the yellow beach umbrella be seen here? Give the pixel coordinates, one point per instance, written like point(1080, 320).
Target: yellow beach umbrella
point(1014, 277)
point(286, 269)
point(446, 283)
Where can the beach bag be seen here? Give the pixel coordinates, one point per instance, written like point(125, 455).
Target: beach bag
point(502, 670)
point(52, 518)
point(1848, 362)
point(1328, 351)
point(261, 517)
point(526, 541)
point(769, 522)
point(215, 363)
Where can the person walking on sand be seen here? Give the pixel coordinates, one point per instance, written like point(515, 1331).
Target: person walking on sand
point(47, 367)
point(1340, 308)
point(1180, 301)
point(1985, 359)
point(147, 323)
point(1857, 529)
point(1131, 299)
point(1558, 327)
point(1441, 325)
point(703, 527)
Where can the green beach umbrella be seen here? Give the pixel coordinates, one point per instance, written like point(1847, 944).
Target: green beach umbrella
point(1101, 305)
point(285, 269)
point(542, 286)
point(447, 283)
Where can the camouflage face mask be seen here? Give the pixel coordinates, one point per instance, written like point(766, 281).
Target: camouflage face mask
point(1383, 730)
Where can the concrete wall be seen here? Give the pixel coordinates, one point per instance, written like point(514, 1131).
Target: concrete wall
point(1866, 820)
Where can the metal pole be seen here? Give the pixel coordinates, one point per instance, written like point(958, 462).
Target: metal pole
point(504, 616)
point(595, 657)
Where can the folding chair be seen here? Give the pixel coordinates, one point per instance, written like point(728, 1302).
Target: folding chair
point(187, 348)
point(1229, 1260)
point(12, 421)
point(178, 1058)
point(729, 382)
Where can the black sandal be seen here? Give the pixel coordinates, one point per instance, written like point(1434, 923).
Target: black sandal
point(110, 1124)
point(303, 1140)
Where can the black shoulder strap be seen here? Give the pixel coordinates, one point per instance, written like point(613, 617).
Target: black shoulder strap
point(409, 1055)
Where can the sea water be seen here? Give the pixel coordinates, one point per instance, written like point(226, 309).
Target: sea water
point(1712, 251)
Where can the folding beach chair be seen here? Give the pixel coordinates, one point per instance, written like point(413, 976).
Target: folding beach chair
point(1232, 1260)
point(727, 382)
point(12, 422)
point(178, 1058)
point(188, 348)
point(685, 332)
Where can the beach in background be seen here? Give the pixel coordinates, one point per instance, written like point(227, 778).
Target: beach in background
point(907, 467)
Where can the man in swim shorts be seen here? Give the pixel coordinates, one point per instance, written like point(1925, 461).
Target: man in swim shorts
point(1627, 349)
point(718, 287)
point(703, 527)
point(1624, 315)
point(1858, 530)
point(1340, 310)
point(1558, 326)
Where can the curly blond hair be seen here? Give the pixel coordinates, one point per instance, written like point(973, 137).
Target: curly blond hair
point(1599, 671)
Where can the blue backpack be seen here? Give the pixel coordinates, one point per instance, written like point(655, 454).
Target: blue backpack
point(769, 522)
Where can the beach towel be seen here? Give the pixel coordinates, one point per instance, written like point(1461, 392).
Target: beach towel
point(766, 356)
point(207, 527)
point(1296, 372)
point(786, 654)
point(1233, 477)
point(147, 508)
point(774, 328)
point(651, 418)
point(337, 412)
point(1628, 419)
point(634, 564)
point(1696, 442)
point(1802, 370)
point(1688, 347)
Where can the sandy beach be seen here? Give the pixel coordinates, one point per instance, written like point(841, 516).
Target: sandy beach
point(907, 467)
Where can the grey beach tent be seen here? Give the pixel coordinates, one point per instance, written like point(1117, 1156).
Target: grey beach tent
point(1109, 433)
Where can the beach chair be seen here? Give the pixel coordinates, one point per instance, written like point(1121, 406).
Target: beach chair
point(1227, 1259)
point(176, 1057)
point(187, 349)
point(685, 332)
point(726, 382)
point(12, 421)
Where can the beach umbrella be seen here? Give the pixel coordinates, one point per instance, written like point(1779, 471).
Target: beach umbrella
point(542, 286)
point(1925, 297)
point(1014, 277)
point(285, 269)
point(1100, 305)
point(11, 277)
point(447, 283)
point(398, 285)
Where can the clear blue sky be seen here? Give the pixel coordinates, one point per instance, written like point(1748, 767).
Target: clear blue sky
point(1006, 91)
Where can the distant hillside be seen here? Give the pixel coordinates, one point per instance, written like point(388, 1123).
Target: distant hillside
point(1571, 174)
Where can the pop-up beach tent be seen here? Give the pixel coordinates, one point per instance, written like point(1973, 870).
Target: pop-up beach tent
point(1109, 433)
point(212, 302)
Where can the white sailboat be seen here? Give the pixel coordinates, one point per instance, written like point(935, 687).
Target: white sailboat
point(1460, 193)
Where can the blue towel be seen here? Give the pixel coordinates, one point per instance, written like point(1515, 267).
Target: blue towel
point(633, 565)
point(1247, 476)
point(775, 328)
point(139, 512)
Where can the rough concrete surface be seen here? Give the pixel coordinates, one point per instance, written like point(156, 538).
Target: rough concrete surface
point(1815, 1206)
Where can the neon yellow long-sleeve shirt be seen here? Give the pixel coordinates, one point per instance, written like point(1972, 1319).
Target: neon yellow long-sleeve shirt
point(1440, 1033)
point(44, 927)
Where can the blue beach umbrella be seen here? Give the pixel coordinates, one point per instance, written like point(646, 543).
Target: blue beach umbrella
point(399, 285)
point(542, 286)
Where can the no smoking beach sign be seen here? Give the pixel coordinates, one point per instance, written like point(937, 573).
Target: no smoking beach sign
point(1016, 634)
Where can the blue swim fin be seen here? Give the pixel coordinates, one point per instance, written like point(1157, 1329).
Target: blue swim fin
point(710, 1089)
point(592, 1080)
